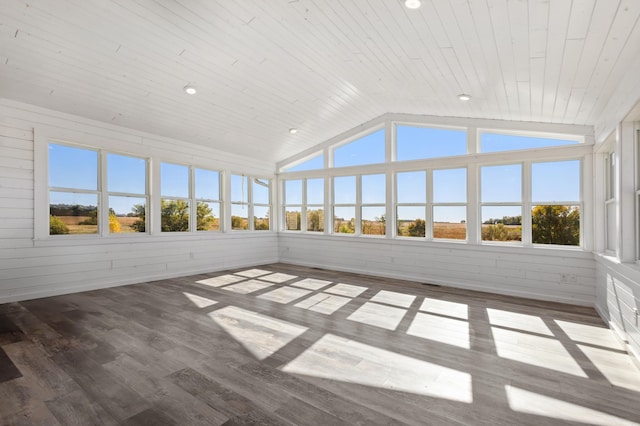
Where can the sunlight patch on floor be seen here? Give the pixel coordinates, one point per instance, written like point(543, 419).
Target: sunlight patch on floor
point(524, 401)
point(284, 294)
point(247, 286)
point(221, 280)
point(584, 333)
point(336, 358)
point(252, 273)
point(535, 350)
point(199, 301)
point(441, 329)
point(311, 283)
point(323, 303)
point(278, 277)
point(348, 290)
point(617, 367)
point(445, 307)
point(261, 335)
point(518, 321)
point(377, 315)
point(394, 298)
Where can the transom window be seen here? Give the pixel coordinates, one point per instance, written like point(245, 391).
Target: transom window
point(369, 149)
point(415, 143)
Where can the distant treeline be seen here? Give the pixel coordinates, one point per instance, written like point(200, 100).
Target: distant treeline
point(71, 210)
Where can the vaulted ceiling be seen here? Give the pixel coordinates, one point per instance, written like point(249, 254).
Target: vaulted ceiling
point(262, 67)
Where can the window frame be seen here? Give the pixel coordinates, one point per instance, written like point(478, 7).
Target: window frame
point(109, 193)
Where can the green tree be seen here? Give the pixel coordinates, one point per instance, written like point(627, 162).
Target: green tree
point(174, 215)
point(417, 228)
point(57, 226)
point(315, 220)
point(204, 216)
point(555, 225)
point(139, 211)
point(238, 222)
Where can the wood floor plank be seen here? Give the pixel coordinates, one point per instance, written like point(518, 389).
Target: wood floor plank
point(309, 346)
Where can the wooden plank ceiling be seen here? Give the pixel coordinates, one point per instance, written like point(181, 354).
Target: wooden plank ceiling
point(322, 66)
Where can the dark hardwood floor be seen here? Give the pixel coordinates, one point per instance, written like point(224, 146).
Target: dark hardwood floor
point(282, 344)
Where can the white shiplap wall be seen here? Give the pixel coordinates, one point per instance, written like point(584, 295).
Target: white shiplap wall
point(546, 274)
point(31, 268)
point(618, 298)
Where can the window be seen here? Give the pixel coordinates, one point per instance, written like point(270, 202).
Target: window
point(208, 200)
point(314, 163)
point(610, 201)
point(127, 192)
point(496, 142)
point(411, 204)
point(293, 205)
point(239, 203)
point(304, 205)
point(344, 204)
point(414, 143)
point(373, 205)
point(501, 202)
point(255, 204)
point(261, 194)
point(450, 204)
point(556, 206)
point(369, 149)
point(315, 205)
point(73, 190)
point(174, 202)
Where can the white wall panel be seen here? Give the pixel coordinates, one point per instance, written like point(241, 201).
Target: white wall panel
point(618, 299)
point(30, 269)
point(544, 274)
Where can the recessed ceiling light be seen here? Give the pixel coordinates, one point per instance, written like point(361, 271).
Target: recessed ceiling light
point(293, 130)
point(412, 4)
point(190, 90)
point(464, 97)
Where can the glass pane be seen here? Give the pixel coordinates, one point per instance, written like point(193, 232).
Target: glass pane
point(174, 215)
point(450, 222)
point(239, 216)
point(502, 183)
point(73, 167)
point(126, 174)
point(293, 192)
point(413, 143)
point(344, 220)
point(315, 220)
point(344, 190)
point(374, 189)
point(292, 218)
point(556, 181)
point(261, 191)
point(315, 191)
point(373, 220)
point(239, 189)
point(611, 226)
point(314, 163)
point(555, 225)
point(73, 213)
point(261, 218)
point(494, 142)
point(366, 150)
point(208, 216)
point(611, 176)
point(411, 221)
point(501, 223)
point(450, 186)
point(411, 187)
point(207, 184)
point(174, 180)
point(127, 214)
